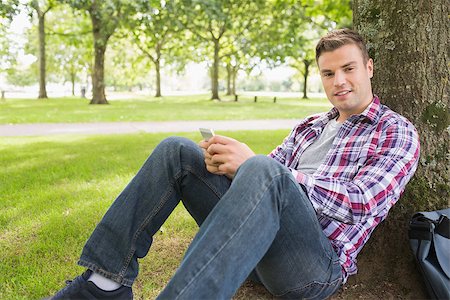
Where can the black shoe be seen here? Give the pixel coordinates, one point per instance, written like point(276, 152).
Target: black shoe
point(80, 288)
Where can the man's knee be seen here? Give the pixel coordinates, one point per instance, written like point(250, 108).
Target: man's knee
point(172, 142)
point(174, 145)
point(262, 164)
point(178, 151)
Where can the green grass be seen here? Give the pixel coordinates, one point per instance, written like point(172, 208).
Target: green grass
point(198, 107)
point(53, 190)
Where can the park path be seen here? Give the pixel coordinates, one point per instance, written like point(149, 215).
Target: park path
point(40, 129)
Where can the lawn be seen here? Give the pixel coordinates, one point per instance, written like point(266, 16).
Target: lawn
point(55, 189)
point(198, 107)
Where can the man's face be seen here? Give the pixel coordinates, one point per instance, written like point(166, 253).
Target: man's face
point(346, 80)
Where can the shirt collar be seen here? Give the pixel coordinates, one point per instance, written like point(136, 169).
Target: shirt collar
point(371, 113)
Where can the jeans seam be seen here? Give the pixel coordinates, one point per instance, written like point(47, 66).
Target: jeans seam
point(141, 228)
point(211, 187)
point(229, 239)
point(109, 275)
point(322, 284)
point(155, 211)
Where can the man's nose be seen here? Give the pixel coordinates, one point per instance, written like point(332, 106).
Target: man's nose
point(339, 78)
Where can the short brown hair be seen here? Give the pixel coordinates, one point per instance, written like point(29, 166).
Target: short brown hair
point(341, 37)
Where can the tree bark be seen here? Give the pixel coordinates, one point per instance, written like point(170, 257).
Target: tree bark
point(409, 43)
point(215, 72)
point(158, 70)
point(98, 77)
point(72, 81)
point(229, 75)
point(42, 61)
point(233, 79)
point(306, 63)
point(100, 41)
point(158, 78)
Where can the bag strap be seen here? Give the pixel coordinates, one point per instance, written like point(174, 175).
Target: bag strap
point(422, 228)
point(443, 226)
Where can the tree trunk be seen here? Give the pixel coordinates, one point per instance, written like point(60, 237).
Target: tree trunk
point(409, 43)
point(233, 80)
point(307, 63)
point(72, 81)
point(215, 72)
point(158, 70)
point(229, 75)
point(42, 84)
point(158, 78)
point(98, 76)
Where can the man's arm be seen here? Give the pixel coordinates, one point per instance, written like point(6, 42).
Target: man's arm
point(224, 155)
point(377, 185)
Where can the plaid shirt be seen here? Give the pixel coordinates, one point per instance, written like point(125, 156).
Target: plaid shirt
point(363, 175)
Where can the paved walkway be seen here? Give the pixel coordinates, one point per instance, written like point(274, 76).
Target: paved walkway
point(132, 127)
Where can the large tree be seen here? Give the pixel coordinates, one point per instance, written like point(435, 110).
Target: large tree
point(106, 17)
point(409, 41)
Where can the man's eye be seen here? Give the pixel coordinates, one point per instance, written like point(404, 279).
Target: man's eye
point(349, 69)
point(327, 74)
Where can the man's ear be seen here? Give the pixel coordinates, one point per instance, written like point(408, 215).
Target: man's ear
point(369, 67)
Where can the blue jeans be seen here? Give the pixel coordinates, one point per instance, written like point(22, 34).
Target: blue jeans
point(260, 224)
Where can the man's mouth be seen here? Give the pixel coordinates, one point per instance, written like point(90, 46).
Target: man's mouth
point(342, 93)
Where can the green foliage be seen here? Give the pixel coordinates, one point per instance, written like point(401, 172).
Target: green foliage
point(8, 8)
point(176, 32)
point(126, 69)
point(156, 30)
point(106, 15)
point(41, 7)
point(8, 53)
point(224, 29)
point(22, 77)
point(157, 33)
point(68, 53)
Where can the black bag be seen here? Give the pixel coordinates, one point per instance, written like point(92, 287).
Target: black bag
point(429, 237)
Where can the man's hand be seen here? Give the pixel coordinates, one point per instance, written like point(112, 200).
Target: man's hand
point(224, 155)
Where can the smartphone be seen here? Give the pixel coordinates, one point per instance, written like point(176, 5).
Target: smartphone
point(206, 133)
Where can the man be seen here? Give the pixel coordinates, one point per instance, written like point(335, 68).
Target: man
point(293, 220)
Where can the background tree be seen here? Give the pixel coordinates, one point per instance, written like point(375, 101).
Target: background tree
point(41, 8)
point(70, 46)
point(5, 58)
point(303, 63)
point(240, 51)
point(294, 28)
point(410, 44)
point(158, 35)
point(213, 22)
point(106, 16)
point(126, 69)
